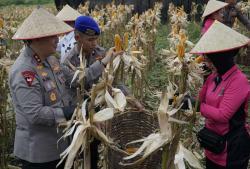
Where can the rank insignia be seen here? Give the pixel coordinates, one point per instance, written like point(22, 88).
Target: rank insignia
point(37, 59)
point(90, 32)
point(52, 96)
point(29, 77)
point(44, 74)
point(39, 66)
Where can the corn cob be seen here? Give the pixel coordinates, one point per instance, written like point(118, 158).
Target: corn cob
point(199, 59)
point(1, 23)
point(181, 50)
point(118, 43)
point(125, 40)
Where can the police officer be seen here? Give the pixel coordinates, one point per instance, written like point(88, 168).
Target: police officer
point(67, 42)
point(86, 34)
point(38, 92)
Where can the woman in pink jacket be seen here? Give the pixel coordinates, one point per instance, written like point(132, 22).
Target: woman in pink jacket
point(224, 97)
point(213, 11)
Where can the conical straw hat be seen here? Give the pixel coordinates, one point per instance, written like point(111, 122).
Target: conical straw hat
point(212, 6)
point(219, 38)
point(68, 14)
point(40, 23)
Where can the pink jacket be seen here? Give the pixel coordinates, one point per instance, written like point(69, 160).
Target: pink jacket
point(207, 25)
point(219, 106)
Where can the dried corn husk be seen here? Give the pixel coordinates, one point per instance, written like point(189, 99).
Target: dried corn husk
point(81, 129)
point(185, 154)
point(155, 140)
point(6, 63)
point(104, 115)
point(80, 72)
point(118, 101)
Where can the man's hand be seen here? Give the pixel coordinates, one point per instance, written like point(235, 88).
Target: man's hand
point(111, 53)
point(68, 111)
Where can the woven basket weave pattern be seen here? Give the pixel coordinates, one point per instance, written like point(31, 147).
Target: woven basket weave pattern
point(129, 127)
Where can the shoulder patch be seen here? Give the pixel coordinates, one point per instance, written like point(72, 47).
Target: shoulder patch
point(29, 77)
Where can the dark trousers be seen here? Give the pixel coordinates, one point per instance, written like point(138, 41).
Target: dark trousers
point(212, 165)
point(94, 153)
point(47, 165)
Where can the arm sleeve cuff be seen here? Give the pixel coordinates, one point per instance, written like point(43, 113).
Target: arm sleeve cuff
point(59, 116)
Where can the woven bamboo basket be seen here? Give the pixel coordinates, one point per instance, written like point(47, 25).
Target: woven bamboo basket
point(128, 127)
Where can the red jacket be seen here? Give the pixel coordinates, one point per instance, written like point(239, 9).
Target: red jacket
point(219, 105)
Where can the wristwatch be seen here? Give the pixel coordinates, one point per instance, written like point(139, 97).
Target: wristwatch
point(102, 63)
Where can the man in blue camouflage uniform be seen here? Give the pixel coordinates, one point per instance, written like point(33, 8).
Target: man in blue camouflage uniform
point(86, 34)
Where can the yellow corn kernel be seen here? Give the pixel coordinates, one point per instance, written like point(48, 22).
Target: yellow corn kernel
point(1, 23)
point(175, 99)
point(199, 59)
point(131, 150)
point(113, 15)
point(118, 43)
point(125, 40)
point(180, 50)
point(183, 37)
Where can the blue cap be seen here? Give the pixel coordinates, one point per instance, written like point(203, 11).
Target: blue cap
point(87, 25)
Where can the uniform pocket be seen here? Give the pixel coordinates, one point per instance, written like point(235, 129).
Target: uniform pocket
point(53, 96)
point(49, 85)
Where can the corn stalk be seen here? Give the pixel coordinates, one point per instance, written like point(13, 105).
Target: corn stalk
point(166, 137)
point(3, 118)
point(183, 68)
point(7, 122)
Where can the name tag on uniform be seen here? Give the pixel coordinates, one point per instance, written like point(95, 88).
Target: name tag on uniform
point(221, 93)
point(61, 77)
point(49, 85)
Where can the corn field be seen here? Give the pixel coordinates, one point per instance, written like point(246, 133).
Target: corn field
point(156, 66)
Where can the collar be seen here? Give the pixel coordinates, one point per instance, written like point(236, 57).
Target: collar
point(69, 36)
point(76, 51)
point(35, 58)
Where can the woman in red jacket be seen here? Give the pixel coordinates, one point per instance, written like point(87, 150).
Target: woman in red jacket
point(213, 11)
point(224, 98)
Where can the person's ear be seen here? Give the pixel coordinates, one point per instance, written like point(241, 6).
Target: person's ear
point(77, 37)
